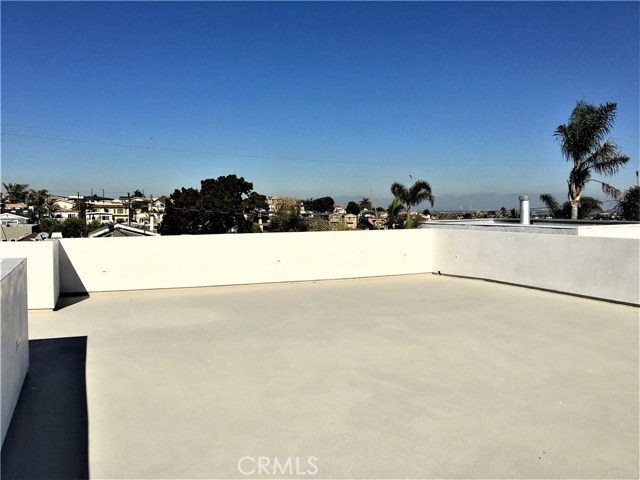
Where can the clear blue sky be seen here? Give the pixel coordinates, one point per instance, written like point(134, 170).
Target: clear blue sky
point(349, 96)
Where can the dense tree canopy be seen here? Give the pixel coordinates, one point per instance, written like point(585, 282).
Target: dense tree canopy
point(353, 208)
point(218, 207)
point(287, 217)
point(16, 192)
point(630, 204)
point(319, 205)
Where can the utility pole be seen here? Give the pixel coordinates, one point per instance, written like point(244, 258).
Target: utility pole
point(129, 202)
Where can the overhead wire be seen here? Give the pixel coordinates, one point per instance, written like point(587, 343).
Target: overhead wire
point(269, 157)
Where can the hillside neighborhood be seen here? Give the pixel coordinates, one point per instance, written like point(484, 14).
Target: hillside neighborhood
point(29, 215)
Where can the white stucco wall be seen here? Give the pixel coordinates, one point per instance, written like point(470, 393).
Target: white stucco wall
point(14, 352)
point(610, 231)
point(104, 264)
point(42, 270)
point(607, 268)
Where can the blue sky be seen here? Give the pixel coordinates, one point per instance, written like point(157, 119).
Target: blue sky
point(309, 99)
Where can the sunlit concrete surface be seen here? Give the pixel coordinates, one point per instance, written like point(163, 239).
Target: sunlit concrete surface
point(398, 377)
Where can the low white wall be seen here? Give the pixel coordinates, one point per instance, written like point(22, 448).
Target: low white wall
point(128, 263)
point(607, 268)
point(14, 344)
point(611, 231)
point(42, 270)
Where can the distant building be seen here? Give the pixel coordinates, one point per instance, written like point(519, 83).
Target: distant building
point(102, 217)
point(20, 210)
point(119, 211)
point(64, 213)
point(120, 230)
point(13, 220)
point(351, 221)
point(15, 227)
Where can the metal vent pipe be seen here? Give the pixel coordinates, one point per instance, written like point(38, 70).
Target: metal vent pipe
point(524, 210)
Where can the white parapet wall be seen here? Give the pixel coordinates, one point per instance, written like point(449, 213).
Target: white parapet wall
point(14, 344)
point(128, 263)
point(42, 270)
point(605, 268)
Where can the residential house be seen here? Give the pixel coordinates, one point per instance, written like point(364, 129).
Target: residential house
point(21, 210)
point(15, 227)
point(351, 221)
point(103, 217)
point(119, 211)
point(65, 203)
point(64, 213)
point(335, 218)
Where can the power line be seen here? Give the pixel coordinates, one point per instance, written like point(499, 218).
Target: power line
point(268, 157)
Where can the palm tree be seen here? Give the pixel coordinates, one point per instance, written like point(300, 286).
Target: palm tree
point(588, 207)
point(555, 210)
point(50, 206)
point(365, 204)
point(581, 141)
point(414, 195)
point(394, 209)
point(16, 192)
point(630, 204)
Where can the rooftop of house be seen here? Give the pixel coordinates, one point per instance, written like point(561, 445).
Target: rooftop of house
point(410, 376)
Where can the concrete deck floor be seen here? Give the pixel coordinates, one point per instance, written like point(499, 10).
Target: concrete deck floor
point(399, 377)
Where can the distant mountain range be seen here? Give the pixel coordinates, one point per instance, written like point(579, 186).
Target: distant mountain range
point(469, 202)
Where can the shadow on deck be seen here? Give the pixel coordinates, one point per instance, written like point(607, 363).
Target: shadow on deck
point(48, 434)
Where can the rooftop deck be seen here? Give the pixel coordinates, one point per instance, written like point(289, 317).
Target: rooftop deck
point(417, 376)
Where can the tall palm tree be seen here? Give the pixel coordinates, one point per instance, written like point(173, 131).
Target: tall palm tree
point(365, 204)
point(16, 192)
point(414, 195)
point(583, 142)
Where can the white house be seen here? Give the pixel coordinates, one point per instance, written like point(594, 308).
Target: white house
point(102, 217)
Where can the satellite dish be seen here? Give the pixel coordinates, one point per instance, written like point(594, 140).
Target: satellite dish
point(42, 236)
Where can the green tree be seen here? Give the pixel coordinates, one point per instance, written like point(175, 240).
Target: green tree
point(352, 207)
point(287, 217)
point(319, 205)
point(93, 225)
point(73, 228)
point(138, 193)
point(218, 207)
point(49, 225)
point(182, 213)
point(589, 206)
point(50, 206)
point(16, 192)
point(81, 206)
point(365, 204)
point(255, 201)
point(583, 143)
point(630, 203)
point(419, 192)
point(555, 210)
point(38, 199)
point(395, 208)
